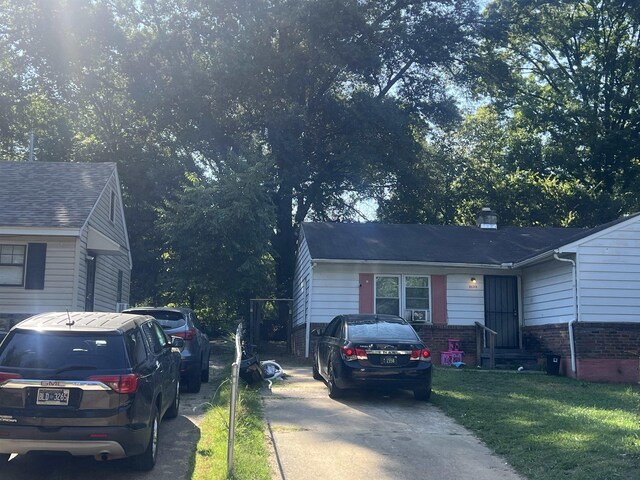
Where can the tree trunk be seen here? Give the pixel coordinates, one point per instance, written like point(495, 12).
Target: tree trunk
point(284, 246)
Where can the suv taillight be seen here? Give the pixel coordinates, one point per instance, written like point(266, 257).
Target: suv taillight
point(4, 376)
point(187, 334)
point(422, 354)
point(118, 383)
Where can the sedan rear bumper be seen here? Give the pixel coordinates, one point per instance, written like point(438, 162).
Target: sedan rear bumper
point(375, 377)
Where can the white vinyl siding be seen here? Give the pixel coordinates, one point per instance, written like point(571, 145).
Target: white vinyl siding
point(465, 302)
point(301, 285)
point(58, 279)
point(336, 290)
point(548, 294)
point(609, 275)
point(107, 266)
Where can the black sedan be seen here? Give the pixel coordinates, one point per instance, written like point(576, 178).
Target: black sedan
point(382, 351)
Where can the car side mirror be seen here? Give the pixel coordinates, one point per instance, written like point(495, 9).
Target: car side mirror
point(177, 342)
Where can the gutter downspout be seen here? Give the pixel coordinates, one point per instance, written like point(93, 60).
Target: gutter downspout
point(307, 339)
point(574, 282)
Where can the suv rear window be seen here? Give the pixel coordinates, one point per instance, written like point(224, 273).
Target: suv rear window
point(56, 350)
point(166, 318)
point(376, 328)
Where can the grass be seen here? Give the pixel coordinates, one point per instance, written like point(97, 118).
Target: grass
point(546, 427)
point(250, 453)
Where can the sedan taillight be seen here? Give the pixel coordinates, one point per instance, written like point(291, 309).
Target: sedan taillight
point(421, 354)
point(353, 353)
point(119, 383)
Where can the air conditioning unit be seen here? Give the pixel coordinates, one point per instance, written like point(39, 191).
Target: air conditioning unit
point(420, 316)
point(121, 306)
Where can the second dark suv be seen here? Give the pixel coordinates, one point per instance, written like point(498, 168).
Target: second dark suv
point(183, 323)
point(87, 383)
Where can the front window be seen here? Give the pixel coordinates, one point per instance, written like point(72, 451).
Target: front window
point(388, 295)
point(407, 296)
point(12, 260)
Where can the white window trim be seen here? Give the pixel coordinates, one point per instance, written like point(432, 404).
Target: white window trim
point(402, 285)
point(23, 265)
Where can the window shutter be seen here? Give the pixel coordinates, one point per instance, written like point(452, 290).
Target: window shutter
point(36, 260)
point(439, 299)
point(366, 293)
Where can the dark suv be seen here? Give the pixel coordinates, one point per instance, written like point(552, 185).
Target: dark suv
point(183, 323)
point(87, 383)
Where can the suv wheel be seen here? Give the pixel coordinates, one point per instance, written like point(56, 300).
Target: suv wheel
point(194, 382)
point(172, 412)
point(205, 372)
point(147, 459)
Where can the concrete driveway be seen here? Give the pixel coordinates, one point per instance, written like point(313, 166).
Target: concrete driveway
point(369, 435)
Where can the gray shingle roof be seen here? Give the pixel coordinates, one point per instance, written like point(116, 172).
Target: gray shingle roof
point(50, 194)
point(445, 244)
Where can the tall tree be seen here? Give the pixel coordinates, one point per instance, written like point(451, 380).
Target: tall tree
point(335, 94)
point(572, 70)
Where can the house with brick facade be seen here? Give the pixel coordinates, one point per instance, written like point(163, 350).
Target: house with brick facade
point(63, 239)
point(570, 292)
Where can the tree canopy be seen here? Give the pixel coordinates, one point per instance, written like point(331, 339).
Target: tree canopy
point(234, 121)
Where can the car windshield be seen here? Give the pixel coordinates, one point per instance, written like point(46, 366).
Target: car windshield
point(369, 329)
point(63, 351)
point(166, 318)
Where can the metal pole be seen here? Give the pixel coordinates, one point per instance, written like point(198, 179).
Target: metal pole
point(233, 400)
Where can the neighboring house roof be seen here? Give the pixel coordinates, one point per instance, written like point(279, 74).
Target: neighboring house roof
point(447, 244)
point(50, 194)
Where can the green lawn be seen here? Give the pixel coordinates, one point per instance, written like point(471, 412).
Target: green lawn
point(250, 453)
point(548, 428)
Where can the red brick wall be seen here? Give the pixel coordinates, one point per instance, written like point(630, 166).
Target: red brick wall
point(298, 339)
point(436, 338)
point(604, 351)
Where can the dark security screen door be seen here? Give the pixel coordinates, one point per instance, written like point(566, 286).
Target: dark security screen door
point(501, 309)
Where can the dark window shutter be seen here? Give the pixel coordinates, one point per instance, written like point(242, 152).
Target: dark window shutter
point(36, 260)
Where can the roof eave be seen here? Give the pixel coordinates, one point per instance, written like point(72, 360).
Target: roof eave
point(40, 231)
point(410, 262)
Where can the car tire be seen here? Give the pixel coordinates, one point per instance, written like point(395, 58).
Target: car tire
point(334, 390)
point(147, 459)
point(173, 410)
point(195, 381)
point(422, 394)
point(316, 372)
point(204, 377)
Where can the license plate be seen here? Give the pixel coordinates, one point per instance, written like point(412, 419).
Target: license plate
point(53, 396)
point(388, 360)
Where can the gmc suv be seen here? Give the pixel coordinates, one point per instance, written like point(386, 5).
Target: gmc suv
point(86, 383)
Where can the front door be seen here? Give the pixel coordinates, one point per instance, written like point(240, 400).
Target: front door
point(501, 309)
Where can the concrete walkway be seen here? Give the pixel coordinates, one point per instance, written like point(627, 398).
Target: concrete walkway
point(368, 435)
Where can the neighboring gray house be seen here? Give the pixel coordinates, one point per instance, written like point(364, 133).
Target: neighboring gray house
point(63, 239)
point(567, 291)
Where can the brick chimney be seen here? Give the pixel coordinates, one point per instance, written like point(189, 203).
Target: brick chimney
point(487, 218)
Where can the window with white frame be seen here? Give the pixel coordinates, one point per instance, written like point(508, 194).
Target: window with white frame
point(388, 295)
point(12, 261)
point(404, 295)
